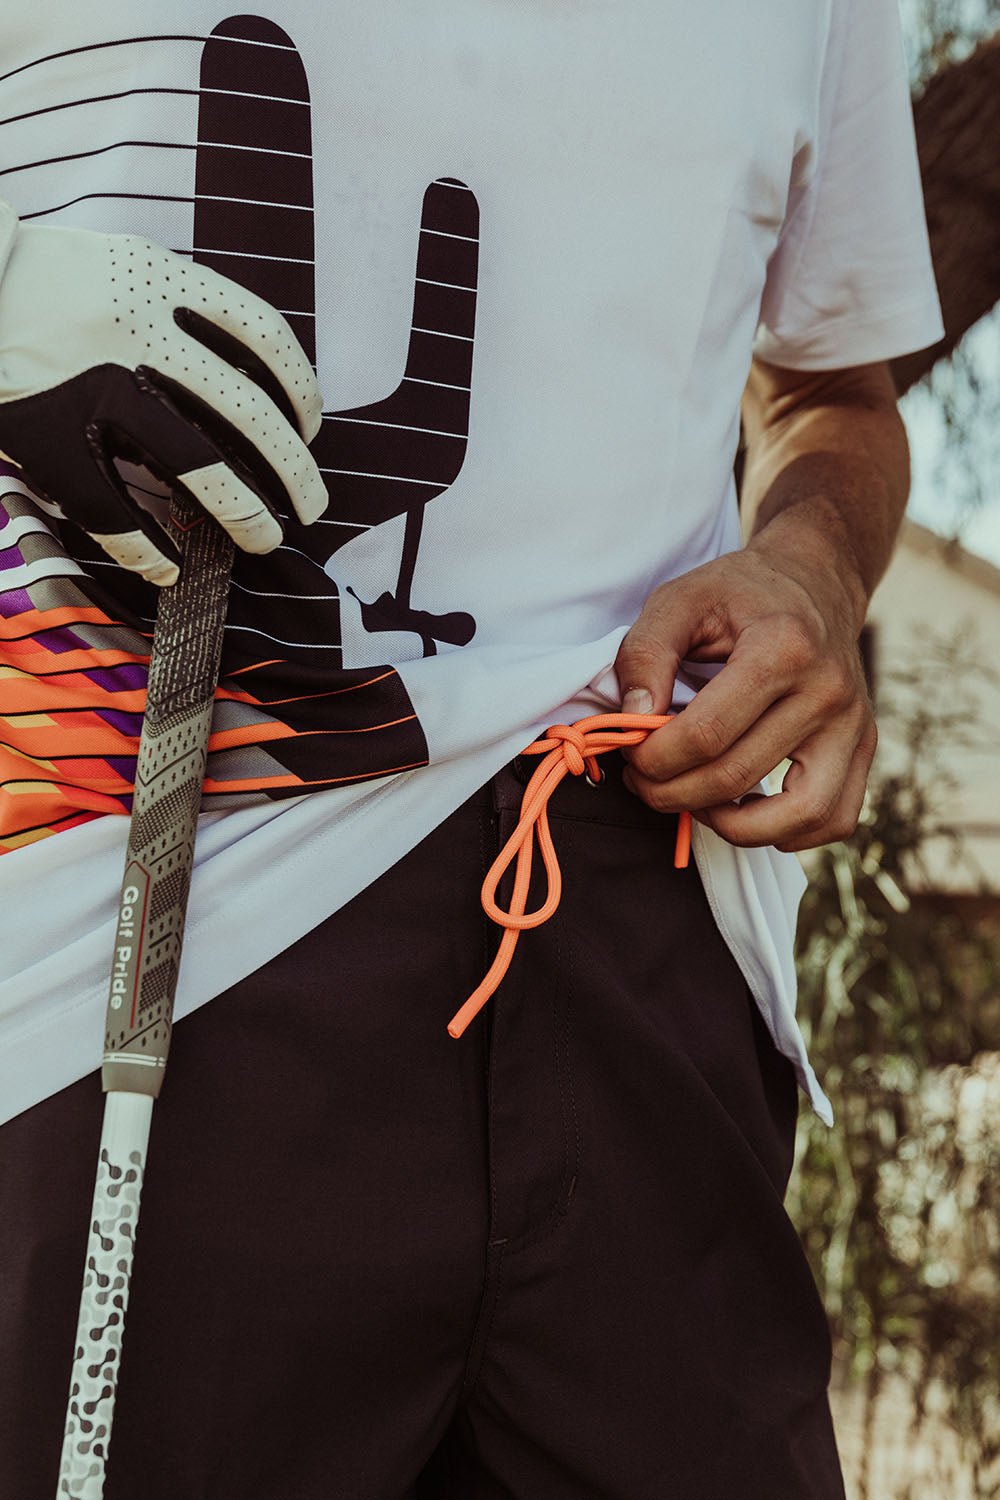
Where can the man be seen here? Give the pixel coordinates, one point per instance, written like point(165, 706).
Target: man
point(548, 1259)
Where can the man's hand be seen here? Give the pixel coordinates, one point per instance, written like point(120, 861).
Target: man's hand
point(824, 490)
point(792, 687)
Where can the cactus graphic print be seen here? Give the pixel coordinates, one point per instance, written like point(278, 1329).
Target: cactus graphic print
point(291, 716)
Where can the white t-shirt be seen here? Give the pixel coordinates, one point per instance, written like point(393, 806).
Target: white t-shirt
point(532, 243)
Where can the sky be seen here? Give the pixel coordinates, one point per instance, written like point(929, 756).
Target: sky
point(978, 532)
point(956, 477)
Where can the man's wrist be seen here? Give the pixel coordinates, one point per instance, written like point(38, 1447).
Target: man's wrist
point(809, 542)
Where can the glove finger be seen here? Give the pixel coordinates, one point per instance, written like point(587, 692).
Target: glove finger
point(174, 445)
point(249, 431)
point(141, 422)
point(239, 509)
point(137, 552)
point(240, 323)
point(236, 507)
point(238, 354)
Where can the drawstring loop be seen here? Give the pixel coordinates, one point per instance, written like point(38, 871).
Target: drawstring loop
point(568, 750)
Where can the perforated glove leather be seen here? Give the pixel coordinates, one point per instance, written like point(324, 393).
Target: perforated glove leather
point(114, 348)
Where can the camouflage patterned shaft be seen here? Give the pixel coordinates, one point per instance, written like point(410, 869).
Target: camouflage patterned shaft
point(170, 772)
point(104, 1301)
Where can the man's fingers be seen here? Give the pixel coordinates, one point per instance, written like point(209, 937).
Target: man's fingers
point(819, 803)
point(790, 687)
point(743, 764)
point(745, 722)
point(728, 612)
point(681, 618)
point(646, 675)
point(708, 730)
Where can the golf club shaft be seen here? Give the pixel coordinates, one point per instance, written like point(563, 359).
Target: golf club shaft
point(170, 773)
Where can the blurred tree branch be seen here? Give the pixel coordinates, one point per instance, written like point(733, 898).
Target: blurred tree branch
point(957, 120)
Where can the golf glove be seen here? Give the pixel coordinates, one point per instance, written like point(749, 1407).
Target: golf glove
point(112, 348)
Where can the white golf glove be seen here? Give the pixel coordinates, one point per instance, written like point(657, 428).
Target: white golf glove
point(114, 348)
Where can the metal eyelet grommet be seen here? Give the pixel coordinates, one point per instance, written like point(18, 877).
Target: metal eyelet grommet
point(590, 780)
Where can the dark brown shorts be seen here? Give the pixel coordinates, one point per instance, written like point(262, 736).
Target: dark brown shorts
point(548, 1261)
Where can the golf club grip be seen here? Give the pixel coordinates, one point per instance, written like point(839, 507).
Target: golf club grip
point(170, 774)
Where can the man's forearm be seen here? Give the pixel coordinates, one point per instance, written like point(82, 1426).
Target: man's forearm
point(827, 472)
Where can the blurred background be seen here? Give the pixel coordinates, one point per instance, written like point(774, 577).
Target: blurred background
point(899, 941)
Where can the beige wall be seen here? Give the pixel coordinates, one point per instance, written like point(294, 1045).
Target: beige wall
point(933, 586)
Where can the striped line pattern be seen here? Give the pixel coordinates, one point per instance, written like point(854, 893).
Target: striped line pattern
point(74, 630)
point(72, 687)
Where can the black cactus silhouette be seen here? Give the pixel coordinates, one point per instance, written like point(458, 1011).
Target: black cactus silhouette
point(382, 460)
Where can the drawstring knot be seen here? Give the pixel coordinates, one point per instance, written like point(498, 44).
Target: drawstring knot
point(568, 749)
point(574, 748)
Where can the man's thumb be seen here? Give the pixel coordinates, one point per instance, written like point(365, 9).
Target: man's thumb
point(645, 667)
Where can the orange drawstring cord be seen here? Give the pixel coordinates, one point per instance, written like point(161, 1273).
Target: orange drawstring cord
point(569, 749)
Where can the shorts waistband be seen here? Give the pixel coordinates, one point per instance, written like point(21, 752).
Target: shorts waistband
point(610, 801)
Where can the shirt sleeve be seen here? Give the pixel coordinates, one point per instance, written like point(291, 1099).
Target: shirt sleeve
point(850, 280)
